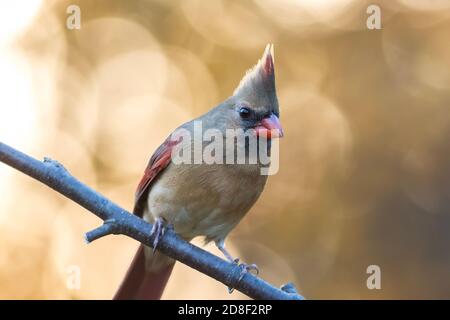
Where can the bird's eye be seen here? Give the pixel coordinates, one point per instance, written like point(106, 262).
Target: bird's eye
point(244, 112)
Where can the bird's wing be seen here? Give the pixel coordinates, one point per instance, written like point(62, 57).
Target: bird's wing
point(158, 162)
point(140, 283)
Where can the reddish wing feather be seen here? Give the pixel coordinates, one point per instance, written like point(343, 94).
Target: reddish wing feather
point(158, 162)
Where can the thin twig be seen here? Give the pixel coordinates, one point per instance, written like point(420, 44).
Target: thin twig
point(119, 221)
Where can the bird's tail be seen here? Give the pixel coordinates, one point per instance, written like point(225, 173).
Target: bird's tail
point(147, 276)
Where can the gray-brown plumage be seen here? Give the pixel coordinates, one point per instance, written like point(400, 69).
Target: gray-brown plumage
point(205, 199)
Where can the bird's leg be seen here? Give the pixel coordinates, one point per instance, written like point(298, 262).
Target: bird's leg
point(244, 267)
point(221, 246)
point(159, 228)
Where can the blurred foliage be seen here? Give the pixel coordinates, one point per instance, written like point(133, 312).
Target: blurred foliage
point(364, 175)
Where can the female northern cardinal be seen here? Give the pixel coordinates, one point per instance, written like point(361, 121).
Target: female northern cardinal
point(204, 199)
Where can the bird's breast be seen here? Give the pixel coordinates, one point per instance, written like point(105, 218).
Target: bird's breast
point(203, 200)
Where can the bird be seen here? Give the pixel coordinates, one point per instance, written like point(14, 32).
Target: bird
point(204, 199)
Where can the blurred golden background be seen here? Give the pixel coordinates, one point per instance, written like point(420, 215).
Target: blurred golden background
point(365, 164)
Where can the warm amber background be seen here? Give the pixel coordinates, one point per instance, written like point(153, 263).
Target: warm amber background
point(364, 175)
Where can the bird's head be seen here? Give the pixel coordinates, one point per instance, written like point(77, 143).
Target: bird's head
point(254, 102)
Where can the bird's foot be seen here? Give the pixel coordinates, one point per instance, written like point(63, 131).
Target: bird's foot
point(245, 268)
point(159, 228)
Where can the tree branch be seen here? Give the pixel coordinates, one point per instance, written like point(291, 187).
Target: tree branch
point(119, 221)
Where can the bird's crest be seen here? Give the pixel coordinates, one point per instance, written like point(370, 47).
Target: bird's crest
point(262, 75)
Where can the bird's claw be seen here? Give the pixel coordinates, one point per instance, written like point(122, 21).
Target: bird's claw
point(245, 268)
point(250, 268)
point(158, 230)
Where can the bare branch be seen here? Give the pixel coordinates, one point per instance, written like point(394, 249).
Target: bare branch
point(108, 227)
point(119, 221)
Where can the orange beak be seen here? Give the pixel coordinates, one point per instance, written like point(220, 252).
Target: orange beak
point(270, 127)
